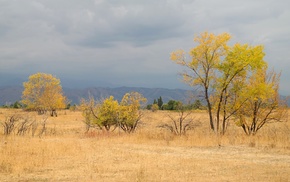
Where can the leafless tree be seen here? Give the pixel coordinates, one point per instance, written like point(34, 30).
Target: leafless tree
point(179, 125)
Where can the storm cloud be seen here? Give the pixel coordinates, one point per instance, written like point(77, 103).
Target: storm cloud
point(127, 43)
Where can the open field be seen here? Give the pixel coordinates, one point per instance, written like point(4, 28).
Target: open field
point(66, 153)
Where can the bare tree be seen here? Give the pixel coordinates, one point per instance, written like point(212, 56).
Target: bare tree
point(179, 125)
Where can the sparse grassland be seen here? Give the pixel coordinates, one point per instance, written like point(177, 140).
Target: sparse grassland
point(66, 153)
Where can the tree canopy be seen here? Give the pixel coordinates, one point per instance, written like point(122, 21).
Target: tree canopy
point(43, 92)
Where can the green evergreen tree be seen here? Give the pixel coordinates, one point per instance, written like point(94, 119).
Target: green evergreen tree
point(160, 102)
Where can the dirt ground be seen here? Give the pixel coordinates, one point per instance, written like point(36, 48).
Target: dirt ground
point(65, 153)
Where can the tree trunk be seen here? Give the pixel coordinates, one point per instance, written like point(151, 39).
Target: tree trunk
point(53, 113)
point(225, 112)
point(209, 109)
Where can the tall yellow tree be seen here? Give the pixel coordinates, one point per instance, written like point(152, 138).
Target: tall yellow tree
point(43, 92)
point(221, 71)
point(240, 63)
point(203, 63)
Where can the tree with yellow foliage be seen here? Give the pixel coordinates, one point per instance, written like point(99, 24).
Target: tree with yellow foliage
point(109, 114)
point(239, 64)
point(43, 92)
point(203, 63)
point(89, 110)
point(262, 102)
point(129, 111)
point(223, 73)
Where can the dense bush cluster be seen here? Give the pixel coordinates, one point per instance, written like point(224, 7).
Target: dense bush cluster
point(110, 114)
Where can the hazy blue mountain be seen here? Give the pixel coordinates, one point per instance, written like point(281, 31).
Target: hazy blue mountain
point(11, 94)
point(74, 95)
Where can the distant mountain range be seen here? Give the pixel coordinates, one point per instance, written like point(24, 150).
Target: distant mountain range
point(11, 94)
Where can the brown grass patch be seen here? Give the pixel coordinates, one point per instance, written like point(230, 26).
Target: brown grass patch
point(66, 153)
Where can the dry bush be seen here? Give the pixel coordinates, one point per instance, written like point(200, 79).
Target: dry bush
point(181, 122)
point(23, 124)
point(9, 124)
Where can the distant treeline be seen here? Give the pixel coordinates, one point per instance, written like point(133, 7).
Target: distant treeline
point(156, 105)
point(174, 105)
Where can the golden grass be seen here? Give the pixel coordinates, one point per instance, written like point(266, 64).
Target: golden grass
point(66, 153)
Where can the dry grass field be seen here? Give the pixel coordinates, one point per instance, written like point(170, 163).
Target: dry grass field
point(66, 153)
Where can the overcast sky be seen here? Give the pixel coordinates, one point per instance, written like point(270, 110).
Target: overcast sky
point(114, 43)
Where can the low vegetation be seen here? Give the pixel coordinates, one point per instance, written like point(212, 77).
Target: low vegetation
point(110, 114)
point(65, 152)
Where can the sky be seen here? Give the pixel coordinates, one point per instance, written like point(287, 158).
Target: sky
point(112, 43)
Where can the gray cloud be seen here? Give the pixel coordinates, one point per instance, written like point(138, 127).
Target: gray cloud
point(127, 43)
